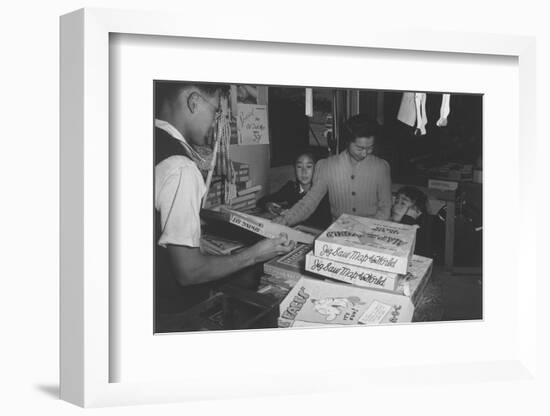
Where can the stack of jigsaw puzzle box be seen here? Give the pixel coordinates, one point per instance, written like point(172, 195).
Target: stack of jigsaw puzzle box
point(374, 275)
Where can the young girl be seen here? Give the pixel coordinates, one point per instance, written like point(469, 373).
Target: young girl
point(293, 191)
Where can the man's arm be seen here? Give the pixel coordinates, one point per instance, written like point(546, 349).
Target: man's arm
point(193, 267)
point(383, 191)
point(308, 204)
point(178, 197)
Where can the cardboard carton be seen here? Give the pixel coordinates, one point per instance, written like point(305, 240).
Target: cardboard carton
point(291, 266)
point(357, 275)
point(267, 228)
point(314, 302)
point(213, 244)
point(368, 242)
point(411, 284)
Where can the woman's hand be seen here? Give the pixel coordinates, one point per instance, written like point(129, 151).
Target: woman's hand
point(273, 208)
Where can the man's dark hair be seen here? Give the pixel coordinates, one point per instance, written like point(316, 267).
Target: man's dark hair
point(361, 125)
point(418, 197)
point(168, 91)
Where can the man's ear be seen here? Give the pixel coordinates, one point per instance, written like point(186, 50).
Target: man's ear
point(193, 102)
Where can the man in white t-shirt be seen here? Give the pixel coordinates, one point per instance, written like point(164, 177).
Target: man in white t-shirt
point(185, 115)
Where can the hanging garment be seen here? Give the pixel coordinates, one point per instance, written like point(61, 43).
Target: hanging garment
point(421, 119)
point(444, 111)
point(309, 102)
point(407, 109)
point(412, 111)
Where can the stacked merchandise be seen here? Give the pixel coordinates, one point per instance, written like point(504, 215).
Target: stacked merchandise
point(368, 243)
point(289, 267)
point(246, 193)
point(410, 284)
point(452, 171)
point(234, 138)
point(382, 279)
point(282, 273)
point(213, 244)
point(242, 174)
point(442, 185)
point(214, 197)
point(265, 227)
point(315, 302)
point(274, 287)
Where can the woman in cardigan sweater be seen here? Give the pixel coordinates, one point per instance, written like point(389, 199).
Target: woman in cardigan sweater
point(357, 181)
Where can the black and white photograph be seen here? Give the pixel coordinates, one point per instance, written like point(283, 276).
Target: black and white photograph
point(270, 208)
point(302, 206)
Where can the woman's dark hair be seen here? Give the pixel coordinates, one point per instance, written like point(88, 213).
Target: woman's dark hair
point(361, 125)
point(418, 197)
point(168, 91)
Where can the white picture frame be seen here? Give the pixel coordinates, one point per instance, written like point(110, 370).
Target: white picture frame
point(85, 221)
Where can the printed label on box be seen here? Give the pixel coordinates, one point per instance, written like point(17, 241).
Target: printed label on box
point(348, 273)
point(375, 313)
point(368, 242)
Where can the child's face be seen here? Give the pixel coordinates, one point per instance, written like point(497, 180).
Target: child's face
point(401, 205)
point(402, 201)
point(304, 170)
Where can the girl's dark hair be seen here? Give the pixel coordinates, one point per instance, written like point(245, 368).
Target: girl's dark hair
point(168, 91)
point(308, 154)
point(416, 195)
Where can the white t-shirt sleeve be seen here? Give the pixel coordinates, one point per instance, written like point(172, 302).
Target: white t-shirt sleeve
point(178, 193)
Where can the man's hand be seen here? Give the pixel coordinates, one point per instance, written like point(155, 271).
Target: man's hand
point(192, 267)
point(271, 247)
